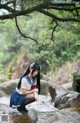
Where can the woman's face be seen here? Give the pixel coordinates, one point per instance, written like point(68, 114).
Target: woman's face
point(35, 73)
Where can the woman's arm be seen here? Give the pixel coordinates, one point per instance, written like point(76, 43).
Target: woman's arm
point(24, 91)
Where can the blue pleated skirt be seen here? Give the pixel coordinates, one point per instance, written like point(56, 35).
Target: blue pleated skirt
point(16, 99)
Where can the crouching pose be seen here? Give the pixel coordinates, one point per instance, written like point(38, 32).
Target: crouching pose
point(27, 90)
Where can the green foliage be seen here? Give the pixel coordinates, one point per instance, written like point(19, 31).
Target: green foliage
point(49, 54)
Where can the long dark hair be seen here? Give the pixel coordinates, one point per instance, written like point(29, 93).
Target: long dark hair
point(35, 66)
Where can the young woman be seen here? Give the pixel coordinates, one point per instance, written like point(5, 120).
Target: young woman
point(28, 88)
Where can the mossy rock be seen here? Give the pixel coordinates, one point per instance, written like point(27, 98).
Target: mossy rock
point(21, 119)
point(9, 88)
point(44, 87)
point(76, 82)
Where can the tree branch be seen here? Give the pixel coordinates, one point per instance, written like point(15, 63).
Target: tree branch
point(23, 12)
point(14, 4)
point(9, 2)
point(54, 28)
point(58, 18)
point(32, 9)
point(22, 33)
point(76, 10)
point(40, 8)
point(9, 9)
point(65, 9)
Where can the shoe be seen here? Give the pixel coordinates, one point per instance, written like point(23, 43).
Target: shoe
point(22, 111)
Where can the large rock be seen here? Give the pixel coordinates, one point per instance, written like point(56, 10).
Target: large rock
point(16, 117)
point(26, 118)
point(8, 87)
point(60, 91)
point(57, 91)
point(59, 117)
point(44, 87)
point(32, 113)
point(43, 104)
point(56, 116)
point(52, 92)
point(75, 100)
point(2, 93)
point(71, 99)
point(67, 86)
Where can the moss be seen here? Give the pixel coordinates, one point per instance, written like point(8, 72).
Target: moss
point(21, 119)
point(76, 77)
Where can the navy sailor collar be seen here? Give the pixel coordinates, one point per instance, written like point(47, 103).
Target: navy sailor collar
point(29, 80)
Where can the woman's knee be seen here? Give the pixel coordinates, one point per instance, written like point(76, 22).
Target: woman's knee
point(29, 100)
point(30, 96)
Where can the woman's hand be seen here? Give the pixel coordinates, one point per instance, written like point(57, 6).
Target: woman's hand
point(24, 91)
point(35, 90)
point(36, 96)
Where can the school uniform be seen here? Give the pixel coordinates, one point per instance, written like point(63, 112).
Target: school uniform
point(17, 98)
